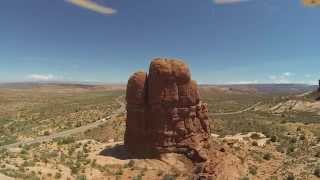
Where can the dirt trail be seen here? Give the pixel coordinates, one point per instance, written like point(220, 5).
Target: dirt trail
point(237, 112)
point(71, 131)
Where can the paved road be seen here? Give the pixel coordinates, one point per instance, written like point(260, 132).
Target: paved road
point(71, 131)
point(237, 112)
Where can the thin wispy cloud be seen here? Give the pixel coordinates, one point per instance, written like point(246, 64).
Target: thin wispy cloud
point(43, 77)
point(288, 74)
point(282, 78)
point(93, 6)
point(228, 1)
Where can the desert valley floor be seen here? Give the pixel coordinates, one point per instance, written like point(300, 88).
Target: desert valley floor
point(63, 131)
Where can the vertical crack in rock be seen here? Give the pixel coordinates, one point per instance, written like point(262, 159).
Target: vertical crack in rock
point(164, 112)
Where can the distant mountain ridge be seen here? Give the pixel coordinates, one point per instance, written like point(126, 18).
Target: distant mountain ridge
point(267, 88)
point(240, 88)
point(81, 85)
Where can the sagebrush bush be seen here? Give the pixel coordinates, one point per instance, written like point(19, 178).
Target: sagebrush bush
point(254, 143)
point(290, 177)
point(255, 136)
point(273, 138)
point(253, 170)
point(267, 156)
point(317, 172)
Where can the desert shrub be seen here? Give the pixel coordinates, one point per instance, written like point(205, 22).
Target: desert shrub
point(317, 154)
point(78, 124)
point(317, 172)
point(281, 148)
point(290, 149)
point(28, 164)
point(104, 168)
point(93, 163)
point(46, 133)
point(74, 167)
point(255, 136)
point(245, 178)
point(169, 177)
point(66, 140)
point(160, 173)
point(273, 138)
point(253, 170)
point(273, 178)
point(119, 172)
point(267, 156)
point(254, 143)
point(58, 175)
point(23, 151)
point(290, 177)
point(138, 177)
point(86, 150)
point(293, 140)
point(81, 177)
point(130, 164)
point(283, 121)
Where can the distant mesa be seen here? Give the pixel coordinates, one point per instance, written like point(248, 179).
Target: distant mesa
point(164, 112)
point(317, 94)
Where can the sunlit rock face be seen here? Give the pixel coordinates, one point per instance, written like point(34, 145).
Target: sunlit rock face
point(165, 114)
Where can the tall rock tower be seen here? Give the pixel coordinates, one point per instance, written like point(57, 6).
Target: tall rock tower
point(165, 113)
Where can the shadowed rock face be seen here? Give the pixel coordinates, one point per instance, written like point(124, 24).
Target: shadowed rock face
point(136, 112)
point(165, 113)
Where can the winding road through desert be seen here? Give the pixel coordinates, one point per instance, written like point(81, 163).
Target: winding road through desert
point(237, 112)
point(66, 133)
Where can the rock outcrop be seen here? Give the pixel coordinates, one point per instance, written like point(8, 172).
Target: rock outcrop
point(164, 112)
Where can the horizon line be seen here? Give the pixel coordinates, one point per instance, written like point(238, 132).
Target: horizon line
point(124, 83)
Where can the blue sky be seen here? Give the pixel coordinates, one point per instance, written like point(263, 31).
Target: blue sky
point(227, 41)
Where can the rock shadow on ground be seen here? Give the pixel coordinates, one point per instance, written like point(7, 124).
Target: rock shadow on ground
point(121, 152)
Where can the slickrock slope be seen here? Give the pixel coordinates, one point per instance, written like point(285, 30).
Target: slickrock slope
point(165, 114)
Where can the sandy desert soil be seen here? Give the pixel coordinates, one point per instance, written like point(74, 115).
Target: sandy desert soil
point(261, 143)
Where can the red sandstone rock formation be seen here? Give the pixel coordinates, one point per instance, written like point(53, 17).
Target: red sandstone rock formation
point(165, 113)
point(136, 104)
